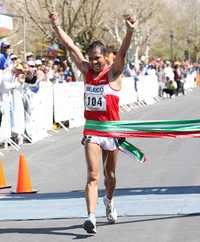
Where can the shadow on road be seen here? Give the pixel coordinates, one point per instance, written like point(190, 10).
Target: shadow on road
point(137, 219)
point(48, 231)
point(119, 192)
point(63, 231)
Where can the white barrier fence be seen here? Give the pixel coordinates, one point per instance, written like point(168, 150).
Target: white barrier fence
point(64, 101)
point(148, 88)
point(68, 103)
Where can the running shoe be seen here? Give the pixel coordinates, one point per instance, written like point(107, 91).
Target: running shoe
point(90, 224)
point(111, 212)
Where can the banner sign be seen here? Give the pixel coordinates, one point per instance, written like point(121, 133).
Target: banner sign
point(6, 25)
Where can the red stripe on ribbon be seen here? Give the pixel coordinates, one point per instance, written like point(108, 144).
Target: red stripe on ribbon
point(139, 134)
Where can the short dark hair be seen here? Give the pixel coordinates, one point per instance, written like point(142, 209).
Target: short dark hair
point(97, 44)
point(111, 49)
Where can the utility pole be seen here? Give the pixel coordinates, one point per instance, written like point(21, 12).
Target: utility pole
point(171, 45)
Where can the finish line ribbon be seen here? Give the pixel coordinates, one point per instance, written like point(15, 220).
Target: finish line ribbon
point(143, 129)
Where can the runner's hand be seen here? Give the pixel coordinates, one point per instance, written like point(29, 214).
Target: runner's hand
point(130, 22)
point(54, 18)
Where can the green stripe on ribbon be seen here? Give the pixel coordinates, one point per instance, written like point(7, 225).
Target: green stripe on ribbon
point(148, 126)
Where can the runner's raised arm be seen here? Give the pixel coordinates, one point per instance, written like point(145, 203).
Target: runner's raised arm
point(118, 65)
point(74, 50)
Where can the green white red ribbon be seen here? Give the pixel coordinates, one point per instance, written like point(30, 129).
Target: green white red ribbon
point(143, 129)
point(132, 151)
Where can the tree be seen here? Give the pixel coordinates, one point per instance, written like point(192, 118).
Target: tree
point(87, 20)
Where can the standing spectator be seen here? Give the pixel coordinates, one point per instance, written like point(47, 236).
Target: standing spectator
point(161, 80)
point(7, 85)
point(50, 71)
point(168, 71)
point(4, 55)
point(68, 75)
point(40, 71)
point(18, 126)
point(30, 56)
point(177, 79)
point(13, 59)
point(31, 73)
point(130, 70)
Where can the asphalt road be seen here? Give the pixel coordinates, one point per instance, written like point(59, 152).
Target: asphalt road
point(158, 201)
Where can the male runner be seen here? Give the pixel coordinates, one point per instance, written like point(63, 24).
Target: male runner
point(101, 99)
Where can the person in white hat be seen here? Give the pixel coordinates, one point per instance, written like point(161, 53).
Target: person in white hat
point(13, 59)
point(29, 56)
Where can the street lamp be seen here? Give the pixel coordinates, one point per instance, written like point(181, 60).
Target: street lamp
point(137, 40)
point(188, 45)
point(24, 29)
point(171, 45)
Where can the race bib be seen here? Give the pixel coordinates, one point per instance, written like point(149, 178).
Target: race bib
point(94, 98)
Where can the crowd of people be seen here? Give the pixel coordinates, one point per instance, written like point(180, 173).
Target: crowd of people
point(16, 73)
point(171, 75)
point(44, 68)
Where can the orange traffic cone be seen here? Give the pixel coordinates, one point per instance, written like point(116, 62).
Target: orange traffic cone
point(3, 183)
point(24, 181)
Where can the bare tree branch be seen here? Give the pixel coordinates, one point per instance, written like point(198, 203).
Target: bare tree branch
point(36, 22)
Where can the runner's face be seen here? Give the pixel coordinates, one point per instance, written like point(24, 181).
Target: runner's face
point(96, 59)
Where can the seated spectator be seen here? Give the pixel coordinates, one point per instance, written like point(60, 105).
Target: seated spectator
point(170, 88)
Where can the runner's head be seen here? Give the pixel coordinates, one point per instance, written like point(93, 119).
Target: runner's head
point(97, 56)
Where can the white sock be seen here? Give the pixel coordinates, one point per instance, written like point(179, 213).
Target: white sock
point(92, 216)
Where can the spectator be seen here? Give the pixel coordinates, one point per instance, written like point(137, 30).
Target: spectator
point(18, 126)
point(4, 58)
point(68, 75)
point(50, 71)
point(29, 56)
point(130, 70)
point(40, 71)
point(31, 73)
point(171, 87)
point(168, 71)
point(177, 78)
point(161, 80)
point(13, 59)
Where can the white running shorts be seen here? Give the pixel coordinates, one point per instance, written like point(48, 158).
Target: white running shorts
point(106, 143)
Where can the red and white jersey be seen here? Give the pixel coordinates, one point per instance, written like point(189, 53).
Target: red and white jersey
point(100, 99)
